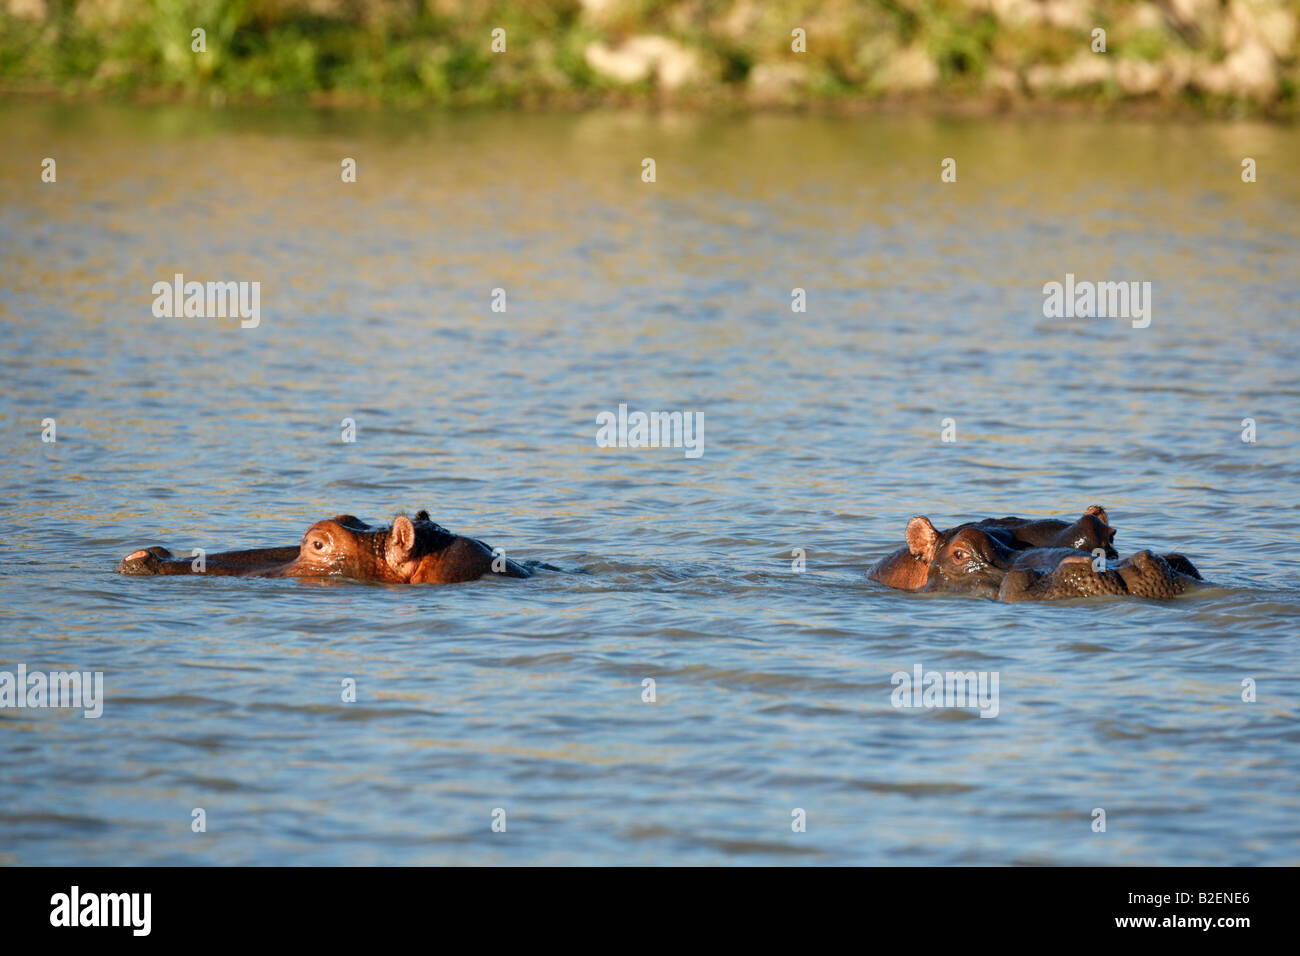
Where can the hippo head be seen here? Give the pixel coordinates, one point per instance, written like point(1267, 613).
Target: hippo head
point(1092, 532)
point(346, 546)
point(967, 559)
point(908, 568)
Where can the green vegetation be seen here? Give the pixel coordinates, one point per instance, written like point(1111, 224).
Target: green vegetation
point(1219, 55)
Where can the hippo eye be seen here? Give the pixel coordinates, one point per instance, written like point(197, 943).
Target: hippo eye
point(959, 555)
point(318, 544)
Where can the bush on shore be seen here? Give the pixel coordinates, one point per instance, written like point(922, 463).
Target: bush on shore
point(1214, 55)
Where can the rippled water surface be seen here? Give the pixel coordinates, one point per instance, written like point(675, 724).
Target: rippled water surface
point(822, 433)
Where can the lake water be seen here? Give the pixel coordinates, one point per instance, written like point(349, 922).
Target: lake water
point(822, 433)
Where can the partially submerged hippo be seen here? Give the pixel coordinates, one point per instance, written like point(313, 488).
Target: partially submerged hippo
point(408, 552)
point(908, 568)
point(977, 558)
point(1074, 575)
point(250, 563)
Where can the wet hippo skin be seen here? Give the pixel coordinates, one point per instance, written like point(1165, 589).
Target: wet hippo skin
point(1146, 575)
point(908, 568)
point(410, 551)
point(158, 560)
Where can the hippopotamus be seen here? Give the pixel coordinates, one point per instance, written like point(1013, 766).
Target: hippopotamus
point(976, 559)
point(1037, 576)
point(908, 568)
point(250, 563)
point(410, 551)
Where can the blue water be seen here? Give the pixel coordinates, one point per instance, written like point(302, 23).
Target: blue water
point(822, 432)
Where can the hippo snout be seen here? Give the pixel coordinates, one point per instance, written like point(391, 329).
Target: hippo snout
point(145, 561)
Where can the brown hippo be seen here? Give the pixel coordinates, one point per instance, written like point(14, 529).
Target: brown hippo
point(250, 563)
point(908, 568)
point(977, 560)
point(408, 552)
point(1146, 574)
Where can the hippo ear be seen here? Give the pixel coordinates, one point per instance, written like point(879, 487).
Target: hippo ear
point(1106, 532)
point(922, 539)
point(401, 540)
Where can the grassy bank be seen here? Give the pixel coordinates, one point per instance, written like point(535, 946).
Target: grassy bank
point(1207, 55)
